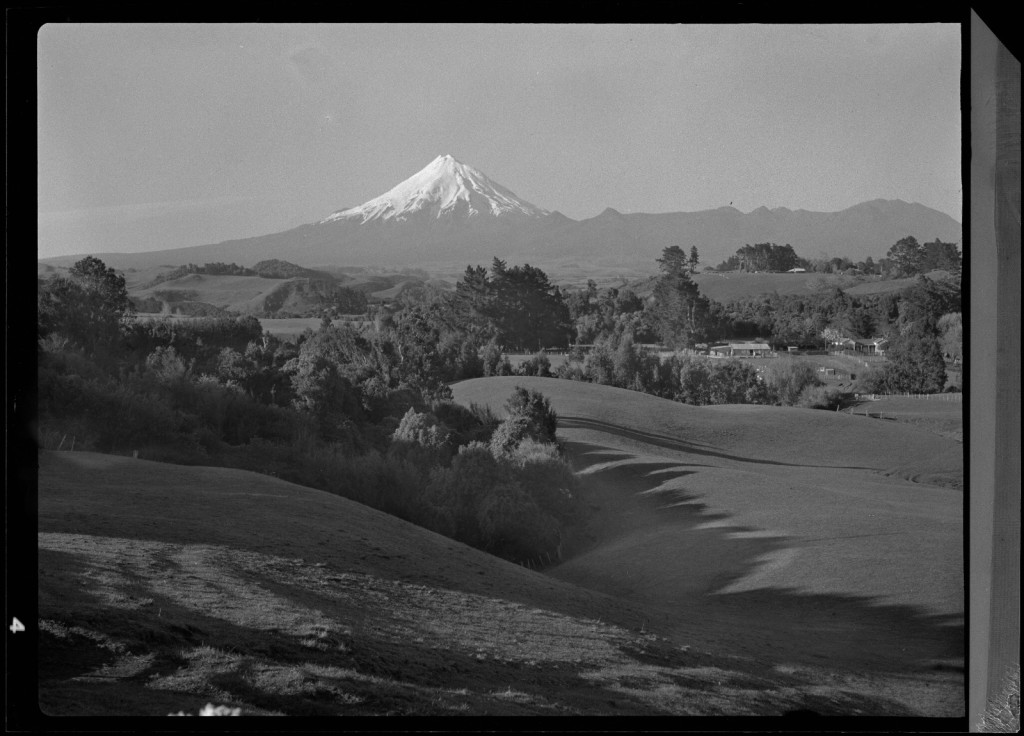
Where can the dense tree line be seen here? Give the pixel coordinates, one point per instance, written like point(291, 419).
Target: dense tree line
point(87, 309)
point(800, 319)
point(210, 269)
point(364, 412)
point(905, 258)
point(518, 307)
point(596, 312)
point(762, 257)
point(679, 317)
point(268, 269)
point(921, 321)
point(695, 379)
point(910, 258)
point(767, 257)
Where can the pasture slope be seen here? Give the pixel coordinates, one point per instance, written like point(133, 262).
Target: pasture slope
point(164, 587)
point(789, 536)
point(721, 573)
point(238, 294)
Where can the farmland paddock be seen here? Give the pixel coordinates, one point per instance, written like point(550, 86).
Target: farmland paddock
point(938, 413)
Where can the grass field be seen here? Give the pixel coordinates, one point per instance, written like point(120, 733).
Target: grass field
point(883, 287)
point(730, 285)
point(244, 294)
point(162, 588)
point(942, 414)
point(790, 532)
point(288, 329)
point(738, 560)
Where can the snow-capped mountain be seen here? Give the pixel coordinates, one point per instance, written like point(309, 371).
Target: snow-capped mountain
point(452, 214)
point(444, 188)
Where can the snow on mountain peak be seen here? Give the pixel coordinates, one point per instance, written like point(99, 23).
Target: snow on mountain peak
point(443, 188)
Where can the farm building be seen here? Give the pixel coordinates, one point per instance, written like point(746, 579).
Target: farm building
point(742, 350)
point(797, 270)
point(871, 346)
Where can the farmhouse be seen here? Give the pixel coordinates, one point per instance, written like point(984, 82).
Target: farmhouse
point(742, 350)
point(871, 346)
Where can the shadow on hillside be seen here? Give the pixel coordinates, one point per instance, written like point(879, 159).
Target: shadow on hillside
point(672, 443)
point(856, 631)
point(649, 480)
point(644, 513)
point(584, 458)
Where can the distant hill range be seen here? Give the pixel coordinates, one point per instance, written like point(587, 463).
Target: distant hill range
point(451, 214)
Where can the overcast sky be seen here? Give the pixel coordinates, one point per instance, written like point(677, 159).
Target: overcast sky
point(159, 136)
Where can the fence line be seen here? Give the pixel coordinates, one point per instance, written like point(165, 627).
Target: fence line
point(952, 396)
point(859, 358)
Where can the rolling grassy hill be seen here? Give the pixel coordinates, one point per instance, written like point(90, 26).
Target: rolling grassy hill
point(738, 560)
point(730, 285)
point(258, 295)
point(239, 294)
point(164, 587)
point(787, 531)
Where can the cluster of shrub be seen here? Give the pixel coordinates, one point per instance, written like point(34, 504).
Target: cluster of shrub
point(273, 268)
point(510, 493)
point(763, 257)
point(210, 269)
point(365, 413)
point(905, 258)
point(922, 321)
point(690, 378)
point(800, 319)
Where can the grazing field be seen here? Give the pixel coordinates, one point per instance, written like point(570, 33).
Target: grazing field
point(789, 535)
point(289, 328)
point(842, 366)
point(163, 587)
point(942, 414)
point(729, 285)
point(740, 560)
point(883, 287)
point(243, 294)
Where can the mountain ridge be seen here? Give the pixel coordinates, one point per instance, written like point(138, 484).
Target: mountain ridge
point(450, 213)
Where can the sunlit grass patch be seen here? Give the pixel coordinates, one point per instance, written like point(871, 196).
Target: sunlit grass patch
point(200, 667)
point(515, 696)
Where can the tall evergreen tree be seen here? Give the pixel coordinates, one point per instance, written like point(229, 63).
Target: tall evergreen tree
point(938, 255)
point(906, 256)
point(90, 307)
point(679, 311)
point(518, 305)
